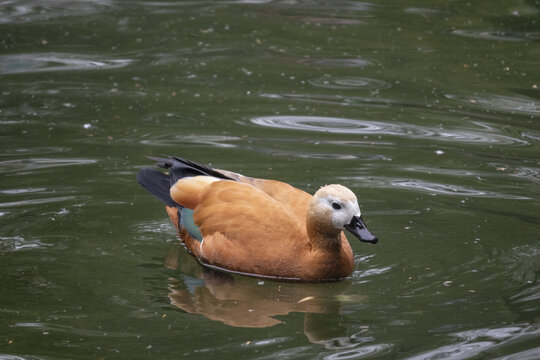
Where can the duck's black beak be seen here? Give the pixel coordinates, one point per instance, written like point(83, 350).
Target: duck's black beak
point(359, 229)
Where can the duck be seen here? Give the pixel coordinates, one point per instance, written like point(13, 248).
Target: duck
point(258, 227)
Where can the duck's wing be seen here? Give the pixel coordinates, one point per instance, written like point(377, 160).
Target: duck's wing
point(295, 199)
point(244, 229)
point(186, 180)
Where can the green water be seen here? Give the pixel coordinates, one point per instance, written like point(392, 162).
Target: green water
point(428, 111)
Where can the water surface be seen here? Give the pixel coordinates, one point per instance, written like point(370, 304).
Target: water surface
point(428, 112)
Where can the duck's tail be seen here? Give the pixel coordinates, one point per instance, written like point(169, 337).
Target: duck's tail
point(158, 183)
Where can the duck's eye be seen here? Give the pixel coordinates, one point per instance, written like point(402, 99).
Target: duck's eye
point(336, 206)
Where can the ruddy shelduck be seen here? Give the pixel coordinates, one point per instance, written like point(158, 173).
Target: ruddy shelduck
point(258, 227)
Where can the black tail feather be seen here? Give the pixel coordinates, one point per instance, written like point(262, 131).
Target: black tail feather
point(159, 184)
point(180, 168)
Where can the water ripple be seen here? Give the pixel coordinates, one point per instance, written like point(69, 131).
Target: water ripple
point(33, 150)
point(146, 231)
point(180, 4)
point(499, 35)
point(220, 141)
point(24, 165)
point(531, 135)
point(346, 342)
point(363, 101)
point(18, 243)
point(527, 173)
point(24, 11)
point(480, 134)
point(470, 346)
point(455, 352)
point(336, 62)
point(331, 20)
point(58, 328)
point(523, 263)
point(349, 82)
point(442, 171)
point(531, 354)
point(22, 191)
point(530, 174)
point(426, 12)
point(528, 300)
point(371, 272)
point(512, 104)
point(288, 353)
point(432, 188)
point(190, 55)
point(360, 352)
point(312, 155)
point(493, 334)
point(11, 357)
point(266, 342)
point(45, 62)
point(37, 201)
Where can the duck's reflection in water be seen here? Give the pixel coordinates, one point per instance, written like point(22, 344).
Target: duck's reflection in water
point(250, 302)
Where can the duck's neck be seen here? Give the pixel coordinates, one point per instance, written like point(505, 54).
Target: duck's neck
point(322, 237)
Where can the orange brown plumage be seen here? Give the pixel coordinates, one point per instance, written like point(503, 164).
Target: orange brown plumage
point(259, 227)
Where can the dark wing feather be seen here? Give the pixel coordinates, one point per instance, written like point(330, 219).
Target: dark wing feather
point(157, 183)
point(180, 168)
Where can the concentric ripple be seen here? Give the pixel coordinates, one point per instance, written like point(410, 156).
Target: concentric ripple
point(326, 124)
point(480, 134)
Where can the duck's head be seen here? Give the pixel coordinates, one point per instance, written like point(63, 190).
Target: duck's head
point(334, 208)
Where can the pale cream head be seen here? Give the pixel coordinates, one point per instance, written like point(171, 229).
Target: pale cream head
point(334, 206)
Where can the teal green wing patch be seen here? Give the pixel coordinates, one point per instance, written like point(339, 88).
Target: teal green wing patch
point(186, 220)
